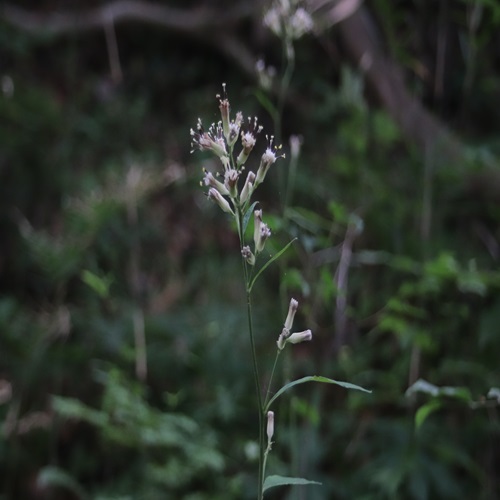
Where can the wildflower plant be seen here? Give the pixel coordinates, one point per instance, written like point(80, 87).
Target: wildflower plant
point(232, 140)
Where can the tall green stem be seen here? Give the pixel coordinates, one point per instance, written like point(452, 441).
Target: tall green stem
point(247, 278)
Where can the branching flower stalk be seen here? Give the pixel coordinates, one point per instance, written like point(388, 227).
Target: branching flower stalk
point(234, 197)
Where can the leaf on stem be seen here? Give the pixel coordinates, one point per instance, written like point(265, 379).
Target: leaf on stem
point(248, 214)
point(315, 378)
point(272, 481)
point(269, 262)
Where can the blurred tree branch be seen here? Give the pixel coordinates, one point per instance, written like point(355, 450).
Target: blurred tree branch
point(201, 22)
point(192, 20)
point(357, 30)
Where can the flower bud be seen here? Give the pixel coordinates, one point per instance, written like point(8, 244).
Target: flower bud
point(264, 234)
point(298, 337)
point(292, 309)
point(247, 190)
point(214, 195)
point(224, 111)
point(231, 182)
point(270, 426)
point(257, 222)
point(234, 129)
point(248, 255)
point(211, 181)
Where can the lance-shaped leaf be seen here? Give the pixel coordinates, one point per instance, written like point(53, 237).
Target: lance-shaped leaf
point(272, 481)
point(314, 378)
point(269, 262)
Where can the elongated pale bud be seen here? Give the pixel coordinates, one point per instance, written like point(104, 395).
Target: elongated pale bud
point(211, 181)
point(270, 426)
point(214, 195)
point(224, 111)
point(295, 146)
point(257, 222)
point(234, 129)
point(247, 190)
point(292, 309)
point(298, 337)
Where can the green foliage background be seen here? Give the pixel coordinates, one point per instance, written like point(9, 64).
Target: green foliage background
point(102, 221)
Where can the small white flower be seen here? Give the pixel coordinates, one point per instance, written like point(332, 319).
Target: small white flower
point(213, 140)
point(248, 140)
point(265, 74)
point(300, 23)
point(268, 158)
point(287, 20)
point(214, 195)
point(247, 254)
point(265, 234)
point(298, 337)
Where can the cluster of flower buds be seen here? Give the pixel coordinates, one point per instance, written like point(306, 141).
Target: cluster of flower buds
point(287, 19)
point(286, 337)
point(221, 139)
point(261, 233)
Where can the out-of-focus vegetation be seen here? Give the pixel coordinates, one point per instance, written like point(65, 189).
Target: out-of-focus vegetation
point(124, 366)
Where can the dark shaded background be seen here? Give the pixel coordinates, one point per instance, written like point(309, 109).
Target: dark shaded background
point(124, 364)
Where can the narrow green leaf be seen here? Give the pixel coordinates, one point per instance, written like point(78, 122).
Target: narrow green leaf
point(269, 262)
point(424, 411)
point(314, 378)
point(272, 481)
point(248, 214)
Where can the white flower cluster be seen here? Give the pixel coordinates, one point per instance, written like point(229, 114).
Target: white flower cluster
point(221, 139)
point(288, 20)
